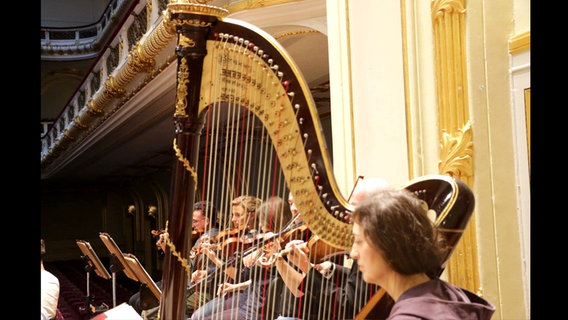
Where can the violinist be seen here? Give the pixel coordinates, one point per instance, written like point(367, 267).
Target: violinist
point(227, 262)
point(232, 243)
point(252, 298)
point(329, 283)
point(205, 223)
point(243, 210)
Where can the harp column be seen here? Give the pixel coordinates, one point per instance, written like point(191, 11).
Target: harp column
point(193, 21)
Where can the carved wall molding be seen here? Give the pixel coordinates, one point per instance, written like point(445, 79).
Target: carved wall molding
point(455, 133)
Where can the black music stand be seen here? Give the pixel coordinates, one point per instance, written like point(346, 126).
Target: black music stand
point(92, 262)
point(134, 270)
point(150, 294)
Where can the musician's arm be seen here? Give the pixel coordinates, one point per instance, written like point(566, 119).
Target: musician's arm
point(230, 287)
point(231, 271)
point(290, 276)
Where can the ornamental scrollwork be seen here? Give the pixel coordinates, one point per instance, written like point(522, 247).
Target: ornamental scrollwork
point(456, 153)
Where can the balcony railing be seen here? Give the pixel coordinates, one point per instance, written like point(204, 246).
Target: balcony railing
point(127, 20)
point(82, 42)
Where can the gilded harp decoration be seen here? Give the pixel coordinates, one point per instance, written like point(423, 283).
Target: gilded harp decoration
point(182, 82)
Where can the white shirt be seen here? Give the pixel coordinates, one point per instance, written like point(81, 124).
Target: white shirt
point(49, 294)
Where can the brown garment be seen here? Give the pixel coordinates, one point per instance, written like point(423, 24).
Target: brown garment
point(437, 299)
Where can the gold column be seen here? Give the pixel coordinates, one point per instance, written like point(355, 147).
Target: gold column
point(456, 152)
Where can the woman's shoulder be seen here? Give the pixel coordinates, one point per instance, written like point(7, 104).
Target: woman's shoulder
point(437, 299)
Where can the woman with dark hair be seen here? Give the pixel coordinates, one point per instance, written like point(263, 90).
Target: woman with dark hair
point(396, 246)
point(329, 289)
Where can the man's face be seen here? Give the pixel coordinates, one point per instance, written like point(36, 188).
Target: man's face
point(199, 222)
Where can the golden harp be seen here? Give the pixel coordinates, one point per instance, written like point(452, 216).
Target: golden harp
point(245, 123)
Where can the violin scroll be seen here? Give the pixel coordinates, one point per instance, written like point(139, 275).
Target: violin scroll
point(156, 233)
point(162, 239)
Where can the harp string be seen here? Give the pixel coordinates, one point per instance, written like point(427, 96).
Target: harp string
point(213, 134)
point(242, 135)
point(217, 169)
point(235, 131)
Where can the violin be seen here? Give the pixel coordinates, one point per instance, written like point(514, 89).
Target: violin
point(161, 243)
point(269, 254)
point(229, 245)
point(226, 246)
point(156, 233)
point(316, 250)
point(225, 234)
point(195, 234)
point(259, 240)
